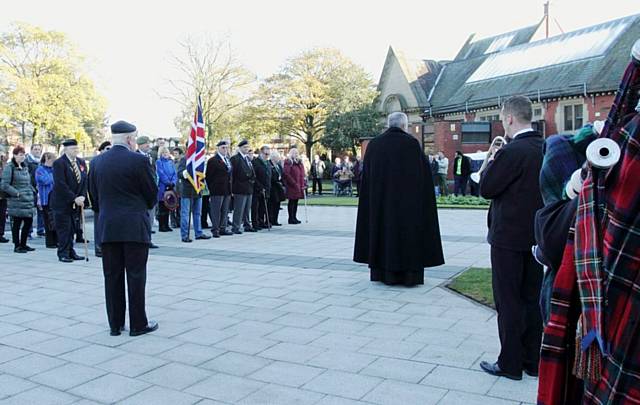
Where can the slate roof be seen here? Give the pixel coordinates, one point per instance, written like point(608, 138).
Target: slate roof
point(594, 62)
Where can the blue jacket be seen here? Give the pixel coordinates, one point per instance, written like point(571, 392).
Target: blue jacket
point(167, 176)
point(44, 182)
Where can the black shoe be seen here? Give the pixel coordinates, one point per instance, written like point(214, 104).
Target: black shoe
point(19, 249)
point(98, 253)
point(116, 331)
point(152, 232)
point(250, 230)
point(187, 240)
point(82, 240)
point(77, 257)
point(28, 248)
point(151, 326)
point(530, 371)
point(153, 246)
point(3, 239)
point(203, 237)
point(215, 234)
point(276, 224)
point(65, 259)
point(167, 229)
point(225, 233)
point(237, 233)
point(495, 370)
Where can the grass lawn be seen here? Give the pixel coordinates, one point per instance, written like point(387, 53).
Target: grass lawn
point(330, 200)
point(475, 283)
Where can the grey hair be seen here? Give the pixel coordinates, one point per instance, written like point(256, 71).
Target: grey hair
point(121, 139)
point(398, 120)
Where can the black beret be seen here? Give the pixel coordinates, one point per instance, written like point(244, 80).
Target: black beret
point(122, 127)
point(70, 142)
point(242, 143)
point(103, 145)
point(222, 143)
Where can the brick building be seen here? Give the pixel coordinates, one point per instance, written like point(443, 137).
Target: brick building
point(454, 105)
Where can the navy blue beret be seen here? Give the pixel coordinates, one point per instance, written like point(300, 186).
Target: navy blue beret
point(243, 142)
point(222, 143)
point(122, 127)
point(70, 142)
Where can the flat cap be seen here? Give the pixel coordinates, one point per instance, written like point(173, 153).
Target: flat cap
point(70, 142)
point(242, 143)
point(122, 127)
point(222, 143)
point(141, 140)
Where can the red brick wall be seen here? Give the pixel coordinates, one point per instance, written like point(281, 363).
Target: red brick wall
point(602, 105)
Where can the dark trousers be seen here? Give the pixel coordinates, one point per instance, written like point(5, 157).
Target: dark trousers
point(3, 215)
point(259, 210)
point(274, 209)
point(460, 185)
point(474, 188)
point(205, 211)
point(65, 228)
point(517, 279)
point(20, 239)
point(163, 216)
point(319, 183)
point(119, 258)
point(219, 212)
point(50, 235)
point(292, 208)
point(441, 182)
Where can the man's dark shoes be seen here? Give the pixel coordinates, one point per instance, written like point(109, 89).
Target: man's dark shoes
point(151, 326)
point(203, 237)
point(77, 257)
point(215, 234)
point(494, 369)
point(187, 240)
point(28, 248)
point(237, 233)
point(65, 259)
point(276, 224)
point(116, 331)
point(250, 230)
point(3, 239)
point(225, 233)
point(530, 371)
point(153, 246)
point(19, 249)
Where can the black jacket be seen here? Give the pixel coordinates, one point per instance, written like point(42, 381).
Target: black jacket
point(218, 176)
point(466, 166)
point(263, 177)
point(242, 175)
point(65, 184)
point(185, 188)
point(277, 186)
point(123, 190)
point(511, 182)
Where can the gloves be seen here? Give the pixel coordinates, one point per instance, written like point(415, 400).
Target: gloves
point(185, 174)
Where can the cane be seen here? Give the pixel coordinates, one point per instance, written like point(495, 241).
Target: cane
point(84, 234)
point(306, 213)
point(266, 210)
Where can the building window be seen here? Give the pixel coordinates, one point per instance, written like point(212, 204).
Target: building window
point(537, 113)
point(573, 117)
point(476, 132)
point(490, 118)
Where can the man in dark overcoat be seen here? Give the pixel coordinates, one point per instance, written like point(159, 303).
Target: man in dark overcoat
point(242, 179)
point(123, 188)
point(397, 231)
point(218, 178)
point(261, 188)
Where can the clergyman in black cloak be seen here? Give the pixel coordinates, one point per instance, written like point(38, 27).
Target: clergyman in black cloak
point(397, 232)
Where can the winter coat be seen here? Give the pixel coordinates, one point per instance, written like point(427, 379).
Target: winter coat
point(16, 179)
point(167, 176)
point(294, 179)
point(44, 182)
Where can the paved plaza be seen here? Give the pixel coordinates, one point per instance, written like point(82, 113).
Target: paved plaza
point(280, 317)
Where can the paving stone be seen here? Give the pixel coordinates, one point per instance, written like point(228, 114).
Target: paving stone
point(397, 369)
point(57, 346)
point(335, 311)
point(302, 307)
point(299, 320)
point(382, 331)
point(204, 336)
point(159, 395)
point(176, 376)
point(236, 363)
point(8, 353)
point(251, 328)
point(10, 385)
point(40, 396)
point(459, 379)
point(290, 374)
point(525, 390)
point(291, 352)
point(341, 325)
point(395, 392)
point(275, 394)
point(343, 384)
point(191, 354)
point(457, 397)
point(400, 349)
point(343, 341)
point(244, 344)
point(295, 335)
point(67, 376)
point(226, 388)
point(448, 356)
point(91, 355)
point(131, 364)
point(30, 365)
point(102, 389)
point(149, 344)
point(342, 360)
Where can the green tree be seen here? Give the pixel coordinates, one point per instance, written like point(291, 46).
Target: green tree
point(344, 130)
point(308, 90)
point(43, 87)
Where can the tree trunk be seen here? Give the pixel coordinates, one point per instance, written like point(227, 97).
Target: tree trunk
point(23, 135)
point(308, 146)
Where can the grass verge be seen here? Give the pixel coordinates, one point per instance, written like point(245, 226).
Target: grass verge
point(475, 283)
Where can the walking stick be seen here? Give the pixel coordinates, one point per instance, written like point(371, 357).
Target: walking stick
point(189, 223)
point(266, 210)
point(84, 234)
point(306, 213)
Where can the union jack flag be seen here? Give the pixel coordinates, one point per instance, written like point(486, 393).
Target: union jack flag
point(196, 151)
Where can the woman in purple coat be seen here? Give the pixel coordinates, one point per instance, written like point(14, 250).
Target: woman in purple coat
point(294, 183)
point(167, 178)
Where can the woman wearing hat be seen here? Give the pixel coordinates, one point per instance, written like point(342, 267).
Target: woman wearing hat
point(167, 178)
point(16, 183)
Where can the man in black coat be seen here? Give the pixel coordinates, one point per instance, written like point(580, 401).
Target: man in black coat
point(67, 198)
point(397, 231)
point(461, 173)
point(123, 188)
point(510, 181)
point(218, 178)
point(277, 194)
point(242, 179)
point(261, 188)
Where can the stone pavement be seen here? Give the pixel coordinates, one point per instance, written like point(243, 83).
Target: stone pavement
point(281, 317)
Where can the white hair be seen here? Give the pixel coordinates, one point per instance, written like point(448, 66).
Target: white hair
point(398, 120)
point(275, 155)
point(121, 139)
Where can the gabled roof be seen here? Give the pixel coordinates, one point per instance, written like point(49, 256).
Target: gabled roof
point(420, 74)
point(475, 48)
point(588, 60)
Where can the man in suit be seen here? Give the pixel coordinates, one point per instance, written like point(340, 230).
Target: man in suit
point(277, 188)
point(510, 181)
point(67, 197)
point(124, 189)
point(144, 148)
point(242, 179)
point(218, 178)
point(261, 189)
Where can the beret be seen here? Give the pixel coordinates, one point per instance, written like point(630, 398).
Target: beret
point(222, 143)
point(70, 142)
point(122, 127)
point(142, 140)
point(103, 145)
point(243, 142)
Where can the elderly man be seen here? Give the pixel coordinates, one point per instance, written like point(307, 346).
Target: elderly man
point(277, 188)
point(397, 231)
point(68, 197)
point(123, 188)
point(144, 148)
point(242, 176)
point(33, 161)
point(261, 189)
point(218, 178)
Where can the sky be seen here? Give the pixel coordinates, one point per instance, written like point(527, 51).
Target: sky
point(129, 44)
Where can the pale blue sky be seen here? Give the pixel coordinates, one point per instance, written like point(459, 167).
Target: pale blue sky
point(128, 43)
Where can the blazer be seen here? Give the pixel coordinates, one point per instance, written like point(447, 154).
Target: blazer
point(263, 176)
point(66, 187)
point(511, 182)
point(123, 190)
point(218, 176)
point(242, 175)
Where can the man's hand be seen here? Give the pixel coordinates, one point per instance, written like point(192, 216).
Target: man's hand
point(185, 174)
point(79, 201)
